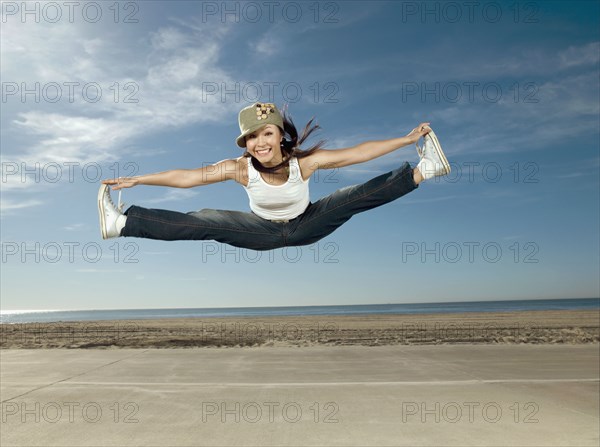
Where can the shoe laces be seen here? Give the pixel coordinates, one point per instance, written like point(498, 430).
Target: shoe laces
point(420, 149)
point(120, 206)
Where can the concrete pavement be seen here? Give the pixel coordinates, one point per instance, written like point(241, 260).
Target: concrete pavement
point(451, 395)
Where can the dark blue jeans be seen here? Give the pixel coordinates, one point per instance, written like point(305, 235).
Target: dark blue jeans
point(247, 230)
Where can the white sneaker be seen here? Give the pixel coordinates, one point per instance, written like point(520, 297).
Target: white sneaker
point(433, 161)
point(112, 219)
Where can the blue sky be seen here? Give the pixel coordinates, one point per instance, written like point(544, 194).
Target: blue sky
point(511, 89)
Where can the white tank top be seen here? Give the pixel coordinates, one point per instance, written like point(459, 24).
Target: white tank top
point(281, 202)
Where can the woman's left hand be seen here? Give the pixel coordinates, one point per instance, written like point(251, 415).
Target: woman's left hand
point(419, 131)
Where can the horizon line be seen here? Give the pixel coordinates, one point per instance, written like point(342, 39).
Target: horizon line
point(21, 311)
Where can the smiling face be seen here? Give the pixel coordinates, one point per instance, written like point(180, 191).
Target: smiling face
point(264, 144)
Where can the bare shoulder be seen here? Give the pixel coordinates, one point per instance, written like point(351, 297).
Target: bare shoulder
point(240, 167)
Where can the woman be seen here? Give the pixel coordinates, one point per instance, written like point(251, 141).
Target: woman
point(275, 173)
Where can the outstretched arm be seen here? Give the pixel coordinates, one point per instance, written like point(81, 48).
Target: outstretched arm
point(181, 178)
point(363, 152)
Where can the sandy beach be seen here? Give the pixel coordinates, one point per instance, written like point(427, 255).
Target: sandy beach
point(531, 327)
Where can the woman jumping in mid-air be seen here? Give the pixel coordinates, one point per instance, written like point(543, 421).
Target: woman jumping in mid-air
point(275, 173)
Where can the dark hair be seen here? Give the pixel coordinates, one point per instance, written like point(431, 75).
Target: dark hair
point(290, 146)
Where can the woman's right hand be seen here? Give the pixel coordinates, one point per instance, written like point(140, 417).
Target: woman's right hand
point(121, 182)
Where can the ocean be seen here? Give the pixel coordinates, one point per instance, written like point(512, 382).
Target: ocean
point(51, 316)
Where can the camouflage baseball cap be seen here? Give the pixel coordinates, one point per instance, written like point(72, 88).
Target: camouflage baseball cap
point(256, 116)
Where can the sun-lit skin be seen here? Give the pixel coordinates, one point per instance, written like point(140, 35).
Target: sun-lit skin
point(264, 144)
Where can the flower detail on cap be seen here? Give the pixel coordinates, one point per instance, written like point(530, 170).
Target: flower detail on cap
point(263, 110)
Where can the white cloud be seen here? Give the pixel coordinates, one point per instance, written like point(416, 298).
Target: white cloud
point(7, 206)
point(169, 39)
point(588, 54)
point(93, 46)
point(173, 195)
point(167, 71)
point(564, 108)
point(268, 45)
point(74, 227)
point(62, 138)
